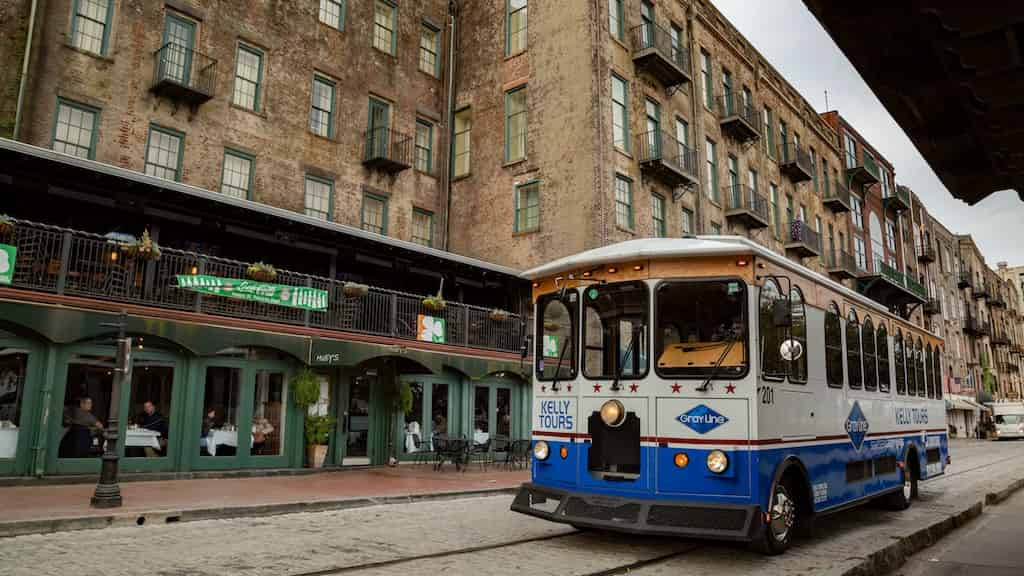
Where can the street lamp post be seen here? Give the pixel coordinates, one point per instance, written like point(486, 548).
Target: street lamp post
point(108, 491)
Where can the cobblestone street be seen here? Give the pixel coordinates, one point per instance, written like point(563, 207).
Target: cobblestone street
point(427, 537)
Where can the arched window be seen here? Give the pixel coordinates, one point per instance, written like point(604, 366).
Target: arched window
point(911, 366)
point(772, 364)
point(939, 382)
point(798, 367)
point(929, 369)
point(901, 363)
point(870, 357)
point(833, 346)
point(882, 349)
point(919, 362)
point(853, 367)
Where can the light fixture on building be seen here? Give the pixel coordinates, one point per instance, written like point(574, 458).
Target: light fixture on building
point(113, 255)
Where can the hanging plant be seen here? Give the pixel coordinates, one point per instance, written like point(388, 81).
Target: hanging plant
point(144, 248)
point(551, 326)
point(6, 225)
point(354, 290)
point(434, 303)
point(498, 315)
point(262, 272)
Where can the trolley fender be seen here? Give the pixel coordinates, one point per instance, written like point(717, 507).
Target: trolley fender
point(787, 463)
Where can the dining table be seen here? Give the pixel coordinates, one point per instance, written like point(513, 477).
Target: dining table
point(8, 442)
point(142, 438)
point(222, 437)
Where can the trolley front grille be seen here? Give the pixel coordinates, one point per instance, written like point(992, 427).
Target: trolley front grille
point(697, 517)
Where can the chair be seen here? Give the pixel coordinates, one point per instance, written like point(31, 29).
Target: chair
point(424, 451)
point(519, 455)
point(481, 453)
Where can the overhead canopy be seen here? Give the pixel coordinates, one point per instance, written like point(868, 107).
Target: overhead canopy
point(330, 352)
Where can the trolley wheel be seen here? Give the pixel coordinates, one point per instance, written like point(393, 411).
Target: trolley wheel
point(902, 498)
point(783, 517)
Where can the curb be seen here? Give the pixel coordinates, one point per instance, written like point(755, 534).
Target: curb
point(50, 525)
point(894, 555)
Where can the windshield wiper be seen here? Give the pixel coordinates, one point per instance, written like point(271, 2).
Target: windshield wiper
point(714, 370)
point(558, 367)
point(616, 386)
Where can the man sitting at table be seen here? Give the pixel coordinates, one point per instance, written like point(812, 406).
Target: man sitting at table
point(152, 419)
point(82, 427)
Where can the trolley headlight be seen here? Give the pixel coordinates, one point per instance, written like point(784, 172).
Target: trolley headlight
point(717, 461)
point(613, 413)
point(541, 451)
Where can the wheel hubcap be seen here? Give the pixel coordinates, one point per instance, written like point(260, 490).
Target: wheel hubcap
point(783, 514)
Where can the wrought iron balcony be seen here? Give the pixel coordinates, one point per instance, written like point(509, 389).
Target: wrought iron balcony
point(964, 281)
point(738, 117)
point(862, 171)
point(73, 263)
point(803, 240)
point(975, 327)
point(841, 264)
point(932, 307)
point(996, 300)
point(654, 53)
point(795, 162)
point(1007, 367)
point(925, 253)
point(980, 290)
point(387, 150)
point(667, 159)
point(897, 199)
point(183, 74)
point(1000, 338)
point(838, 198)
point(747, 206)
point(891, 287)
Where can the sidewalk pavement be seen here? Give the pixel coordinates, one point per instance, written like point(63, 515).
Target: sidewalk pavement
point(53, 508)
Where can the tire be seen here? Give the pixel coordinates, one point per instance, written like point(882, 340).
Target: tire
point(784, 514)
point(902, 498)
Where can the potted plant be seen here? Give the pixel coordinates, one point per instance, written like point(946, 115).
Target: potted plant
point(262, 272)
point(305, 391)
point(499, 315)
point(6, 225)
point(144, 248)
point(435, 303)
point(354, 290)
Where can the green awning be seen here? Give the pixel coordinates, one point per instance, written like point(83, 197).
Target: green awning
point(331, 352)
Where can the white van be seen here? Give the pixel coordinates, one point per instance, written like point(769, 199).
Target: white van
point(1009, 419)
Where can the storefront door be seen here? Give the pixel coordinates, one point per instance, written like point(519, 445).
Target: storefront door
point(356, 431)
point(492, 413)
point(20, 362)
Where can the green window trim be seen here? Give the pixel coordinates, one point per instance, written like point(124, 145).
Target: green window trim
point(509, 13)
point(105, 41)
point(367, 195)
point(429, 240)
point(509, 95)
point(428, 168)
point(319, 78)
point(393, 30)
point(259, 76)
point(531, 186)
point(436, 72)
point(627, 182)
point(712, 168)
point(84, 108)
point(708, 75)
point(616, 24)
point(330, 194)
point(626, 137)
point(181, 147)
point(340, 23)
point(658, 215)
point(252, 170)
point(464, 119)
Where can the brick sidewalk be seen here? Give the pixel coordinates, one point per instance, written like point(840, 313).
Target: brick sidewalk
point(25, 509)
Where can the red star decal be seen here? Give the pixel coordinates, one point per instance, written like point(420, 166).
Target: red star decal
point(569, 387)
point(730, 388)
point(633, 387)
point(597, 387)
point(543, 388)
point(675, 388)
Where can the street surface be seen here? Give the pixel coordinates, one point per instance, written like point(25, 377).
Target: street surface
point(481, 536)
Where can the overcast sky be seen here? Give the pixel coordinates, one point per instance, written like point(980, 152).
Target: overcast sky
point(801, 50)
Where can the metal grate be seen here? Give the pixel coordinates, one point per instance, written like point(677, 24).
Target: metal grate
point(697, 517)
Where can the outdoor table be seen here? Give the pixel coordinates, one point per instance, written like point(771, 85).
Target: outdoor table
point(142, 438)
point(455, 450)
point(8, 442)
point(223, 438)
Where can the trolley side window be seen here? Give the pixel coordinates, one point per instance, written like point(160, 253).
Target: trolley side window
point(920, 369)
point(881, 337)
point(911, 366)
point(773, 365)
point(929, 369)
point(937, 361)
point(901, 364)
point(854, 371)
point(615, 320)
point(798, 331)
point(834, 346)
point(701, 324)
point(870, 355)
point(557, 327)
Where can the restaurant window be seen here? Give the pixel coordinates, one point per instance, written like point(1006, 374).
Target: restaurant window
point(385, 17)
point(919, 363)
point(163, 153)
point(74, 130)
point(557, 329)
point(219, 428)
point(332, 13)
point(687, 222)
point(318, 198)
point(798, 332)
point(430, 46)
point(833, 346)
point(929, 369)
point(515, 27)
point(248, 78)
point(615, 317)
point(439, 409)
point(658, 215)
point(481, 413)
point(268, 419)
point(620, 113)
point(236, 174)
point(149, 409)
point(882, 349)
point(623, 202)
point(701, 325)
point(772, 336)
point(424, 146)
point(86, 405)
point(13, 371)
point(422, 227)
point(527, 207)
point(414, 429)
point(854, 369)
point(463, 126)
point(321, 112)
point(375, 213)
point(899, 357)
point(90, 25)
point(515, 124)
point(870, 355)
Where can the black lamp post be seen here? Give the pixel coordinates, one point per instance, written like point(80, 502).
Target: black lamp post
point(108, 491)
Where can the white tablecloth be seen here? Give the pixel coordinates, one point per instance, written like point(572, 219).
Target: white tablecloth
point(8, 442)
point(140, 437)
point(480, 437)
point(224, 438)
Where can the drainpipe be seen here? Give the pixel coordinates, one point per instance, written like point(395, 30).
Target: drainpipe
point(449, 115)
point(24, 69)
point(697, 120)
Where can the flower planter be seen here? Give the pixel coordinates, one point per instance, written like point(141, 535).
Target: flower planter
point(499, 315)
point(262, 272)
point(6, 226)
point(434, 303)
point(315, 455)
point(354, 290)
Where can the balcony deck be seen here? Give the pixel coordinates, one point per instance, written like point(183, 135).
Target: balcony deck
point(862, 171)
point(654, 53)
point(837, 199)
point(841, 264)
point(925, 253)
point(891, 287)
point(667, 159)
point(387, 150)
point(747, 206)
point(897, 200)
point(795, 162)
point(737, 118)
point(183, 74)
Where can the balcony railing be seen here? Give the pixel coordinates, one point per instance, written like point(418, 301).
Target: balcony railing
point(900, 280)
point(746, 205)
point(841, 264)
point(738, 116)
point(964, 281)
point(996, 300)
point(925, 253)
point(975, 326)
point(183, 74)
point(838, 198)
point(932, 307)
point(980, 290)
point(668, 159)
point(803, 240)
point(61, 261)
point(795, 162)
point(1000, 338)
point(387, 150)
point(863, 171)
point(1007, 367)
point(915, 287)
point(897, 199)
point(654, 52)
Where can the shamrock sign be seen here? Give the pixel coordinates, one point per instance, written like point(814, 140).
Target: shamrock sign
point(430, 329)
point(8, 256)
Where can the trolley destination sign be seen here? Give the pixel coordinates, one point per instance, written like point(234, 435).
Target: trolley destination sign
point(277, 294)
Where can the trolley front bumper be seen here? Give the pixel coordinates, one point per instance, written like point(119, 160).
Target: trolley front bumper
point(640, 516)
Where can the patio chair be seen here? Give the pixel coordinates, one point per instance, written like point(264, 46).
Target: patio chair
point(424, 450)
point(481, 453)
point(519, 455)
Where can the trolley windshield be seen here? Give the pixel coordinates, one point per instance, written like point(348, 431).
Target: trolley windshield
point(701, 328)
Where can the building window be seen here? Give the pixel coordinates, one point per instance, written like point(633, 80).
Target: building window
point(858, 211)
point(676, 39)
point(861, 252)
point(164, 152)
point(620, 113)
point(615, 22)
point(422, 227)
point(652, 145)
point(774, 198)
point(705, 79)
point(769, 134)
point(515, 124)
point(248, 77)
point(332, 13)
point(658, 215)
point(833, 347)
point(430, 46)
point(515, 27)
point(711, 172)
point(527, 207)
point(321, 113)
point(375, 213)
point(90, 25)
point(850, 151)
point(319, 197)
point(236, 175)
point(385, 16)
point(814, 169)
point(623, 202)
point(824, 177)
point(687, 222)
point(74, 129)
point(890, 234)
point(716, 228)
point(424, 146)
point(463, 126)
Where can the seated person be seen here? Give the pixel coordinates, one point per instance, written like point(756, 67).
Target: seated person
point(261, 428)
point(82, 427)
point(152, 419)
